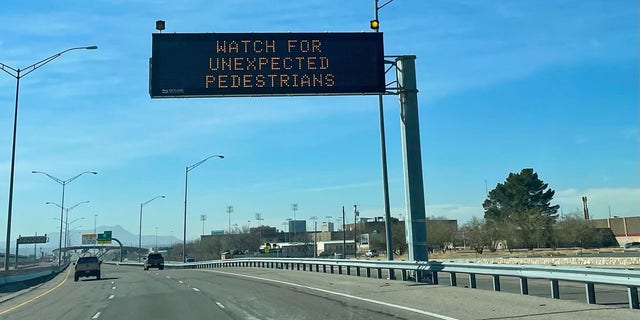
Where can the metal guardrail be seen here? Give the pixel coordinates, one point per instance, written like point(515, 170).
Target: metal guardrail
point(428, 271)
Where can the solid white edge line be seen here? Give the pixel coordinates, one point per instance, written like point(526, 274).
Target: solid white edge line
point(387, 304)
point(96, 315)
point(220, 305)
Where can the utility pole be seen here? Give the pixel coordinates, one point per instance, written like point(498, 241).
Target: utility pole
point(259, 219)
point(203, 218)
point(294, 207)
point(355, 229)
point(229, 210)
point(315, 235)
point(344, 237)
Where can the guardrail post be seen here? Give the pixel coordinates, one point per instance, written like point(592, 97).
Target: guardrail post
point(452, 279)
point(331, 269)
point(297, 266)
point(524, 286)
point(633, 297)
point(304, 267)
point(434, 277)
point(324, 268)
point(472, 281)
point(357, 271)
point(496, 283)
point(368, 272)
point(591, 293)
point(379, 273)
point(339, 269)
point(555, 289)
point(392, 274)
point(348, 270)
point(404, 274)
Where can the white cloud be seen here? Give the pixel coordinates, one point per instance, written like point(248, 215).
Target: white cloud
point(623, 201)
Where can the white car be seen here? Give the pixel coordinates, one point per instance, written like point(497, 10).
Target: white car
point(371, 253)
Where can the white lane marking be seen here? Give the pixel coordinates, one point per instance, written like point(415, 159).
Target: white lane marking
point(168, 277)
point(387, 304)
point(112, 282)
point(113, 288)
point(180, 281)
point(96, 315)
point(220, 305)
point(195, 289)
point(111, 297)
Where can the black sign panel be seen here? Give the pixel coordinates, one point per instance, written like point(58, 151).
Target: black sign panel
point(260, 64)
point(33, 239)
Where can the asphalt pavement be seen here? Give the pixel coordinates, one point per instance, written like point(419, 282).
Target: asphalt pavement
point(127, 292)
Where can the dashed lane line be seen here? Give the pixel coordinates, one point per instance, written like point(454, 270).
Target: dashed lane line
point(111, 296)
point(195, 289)
point(220, 305)
point(96, 316)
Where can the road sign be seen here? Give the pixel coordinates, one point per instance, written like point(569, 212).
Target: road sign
point(263, 64)
point(104, 238)
point(33, 239)
point(89, 238)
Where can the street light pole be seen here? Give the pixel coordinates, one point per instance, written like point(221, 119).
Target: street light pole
point(140, 231)
point(66, 230)
point(383, 148)
point(229, 211)
point(186, 180)
point(64, 184)
point(18, 74)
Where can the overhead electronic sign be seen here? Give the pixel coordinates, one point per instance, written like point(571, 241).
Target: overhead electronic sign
point(264, 64)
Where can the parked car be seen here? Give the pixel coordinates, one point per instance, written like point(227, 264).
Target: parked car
point(629, 245)
point(87, 267)
point(371, 253)
point(154, 260)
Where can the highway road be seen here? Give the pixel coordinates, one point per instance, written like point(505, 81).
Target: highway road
point(127, 292)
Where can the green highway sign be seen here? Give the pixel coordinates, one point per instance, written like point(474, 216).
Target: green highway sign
point(104, 238)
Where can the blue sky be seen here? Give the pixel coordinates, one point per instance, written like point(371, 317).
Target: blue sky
point(504, 85)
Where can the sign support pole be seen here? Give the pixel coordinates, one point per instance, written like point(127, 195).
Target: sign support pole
point(416, 227)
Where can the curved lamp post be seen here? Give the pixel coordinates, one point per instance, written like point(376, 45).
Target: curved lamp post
point(140, 233)
point(66, 218)
point(63, 183)
point(18, 74)
point(186, 177)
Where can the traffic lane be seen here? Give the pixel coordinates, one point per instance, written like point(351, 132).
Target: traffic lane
point(615, 296)
point(156, 295)
point(129, 293)
point(61, 298)
point(454, 302)
point(245, 298)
